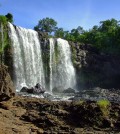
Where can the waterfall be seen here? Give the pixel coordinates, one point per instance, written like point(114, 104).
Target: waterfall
point(62, 73)
point(1, 42)
point(28, 63)
point(51, 62)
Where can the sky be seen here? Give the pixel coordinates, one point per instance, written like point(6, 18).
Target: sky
point(69, 14)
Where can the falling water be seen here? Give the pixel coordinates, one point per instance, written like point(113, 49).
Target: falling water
point(62, 73)
point(1, 42)
point(27, 57)
point(51, 62)
point(28, 64)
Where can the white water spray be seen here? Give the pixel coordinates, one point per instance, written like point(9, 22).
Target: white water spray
point(62, 73)
point(28, 64)
point(27, 57)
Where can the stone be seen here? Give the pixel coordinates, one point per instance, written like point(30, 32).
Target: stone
point(95, 69)
point(7, 89)
point(69, 90)
point(34, 115)
point(24, 89)
point(38, 89)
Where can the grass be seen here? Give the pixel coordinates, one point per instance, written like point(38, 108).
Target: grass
point(103, 103)
point(104, 106)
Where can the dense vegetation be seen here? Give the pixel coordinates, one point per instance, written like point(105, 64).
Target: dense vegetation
point(104, 37)
point(46, 25)
point(4, 32)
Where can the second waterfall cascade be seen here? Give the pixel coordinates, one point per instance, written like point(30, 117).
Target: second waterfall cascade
point(29, 65)
point(62, 72)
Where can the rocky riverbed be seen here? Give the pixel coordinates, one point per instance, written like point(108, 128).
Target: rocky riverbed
point(84, 112)
point(93, 94)
point(27, 115)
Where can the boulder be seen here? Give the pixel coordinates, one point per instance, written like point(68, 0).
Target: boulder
point(7, 89)
point(38, 89)
point(24, 89)
point(69, 90)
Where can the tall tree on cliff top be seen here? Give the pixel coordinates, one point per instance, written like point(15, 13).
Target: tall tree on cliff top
point(46, 25)
point(9, 17)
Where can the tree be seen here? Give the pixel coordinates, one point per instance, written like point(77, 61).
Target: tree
point(60, 33)
point(46, 25)
point(80, 30)
point(9, 17)
point(109, 25)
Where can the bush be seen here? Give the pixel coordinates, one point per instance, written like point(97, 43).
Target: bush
point(104, 106)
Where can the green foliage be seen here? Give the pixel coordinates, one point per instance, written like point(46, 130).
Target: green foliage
point(46, 25)
point(69, 37)
point(4, 41)
point(3, 23)
point(9, 17)
point(3, 19)
point(104, 106)
point(103, 103)
point(59, 33)
point(104, 37)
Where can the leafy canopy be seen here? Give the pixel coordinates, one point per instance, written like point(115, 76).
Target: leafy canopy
point(3, 19)
point(46, 25)
point(9, 17)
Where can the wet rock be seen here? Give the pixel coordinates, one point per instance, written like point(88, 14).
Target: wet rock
point(38, 89)
point(69, 90)
point(24, 89)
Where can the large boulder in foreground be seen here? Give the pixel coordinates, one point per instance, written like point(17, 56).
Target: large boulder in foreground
point(7, 89)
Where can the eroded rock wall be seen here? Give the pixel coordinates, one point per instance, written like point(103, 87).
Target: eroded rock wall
point(7, 89)
point(95, 69)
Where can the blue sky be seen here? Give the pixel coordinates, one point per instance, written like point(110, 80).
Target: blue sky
point(68, 13)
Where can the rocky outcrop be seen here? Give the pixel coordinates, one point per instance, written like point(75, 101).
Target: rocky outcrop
point(32, 115)
point(38, 89)
point(7, 89)
point(95, 69)
point(8, 59)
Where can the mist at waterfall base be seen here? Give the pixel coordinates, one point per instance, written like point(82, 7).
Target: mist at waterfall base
point(29, 64)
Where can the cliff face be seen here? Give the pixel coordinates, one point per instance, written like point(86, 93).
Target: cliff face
point(7, 89)
point(95, 69)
